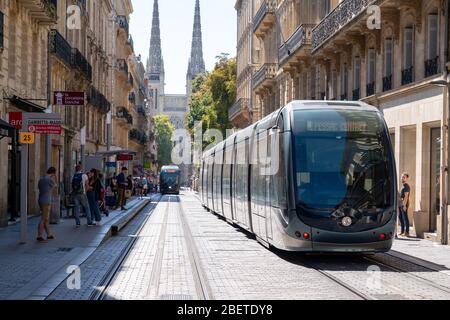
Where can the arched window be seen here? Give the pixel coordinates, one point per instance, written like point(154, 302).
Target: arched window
point(371, 70)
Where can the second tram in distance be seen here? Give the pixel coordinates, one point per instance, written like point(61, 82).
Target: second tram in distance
point(169, 180)
point(330, 184)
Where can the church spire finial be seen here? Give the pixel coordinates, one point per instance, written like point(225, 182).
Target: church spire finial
point(155, 64)
point(196, 62)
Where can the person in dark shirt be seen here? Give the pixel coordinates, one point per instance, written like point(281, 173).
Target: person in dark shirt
point(122, 186)
point(404, 205)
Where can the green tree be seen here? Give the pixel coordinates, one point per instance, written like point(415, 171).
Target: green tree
point(213, 94)
point(164, 131)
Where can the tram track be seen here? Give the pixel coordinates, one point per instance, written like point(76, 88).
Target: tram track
point(102, 292)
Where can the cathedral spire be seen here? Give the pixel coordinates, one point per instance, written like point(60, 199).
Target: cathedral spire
point(155, 63)
point(196, 62)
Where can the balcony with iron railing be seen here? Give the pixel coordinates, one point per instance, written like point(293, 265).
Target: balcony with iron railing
point(356, 94)
point(130, 80)
point(265, 17)
point(344, 97)
point(80, 63)
point(122, 113)
point(299, 39)
point(60, 48)
point(387, 83)
point(130, 42)
point(431, 67)
point(370, 89)
point(241, 106)
point(138, 136)
point(346, 12)
point(123, 23)
point(132, 97)
point(264, 75)
point(44, 11)
point(407, 75)
point(98, 100)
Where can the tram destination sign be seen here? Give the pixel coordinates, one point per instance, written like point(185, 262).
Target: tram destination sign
point(68, 98)
point(42, 123)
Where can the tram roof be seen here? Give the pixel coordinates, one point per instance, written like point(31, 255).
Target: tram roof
point(310, 104)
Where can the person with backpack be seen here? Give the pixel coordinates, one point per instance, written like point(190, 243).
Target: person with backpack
point(92, 195)
point(80, 184)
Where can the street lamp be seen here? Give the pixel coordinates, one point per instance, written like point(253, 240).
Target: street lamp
point(445, 83)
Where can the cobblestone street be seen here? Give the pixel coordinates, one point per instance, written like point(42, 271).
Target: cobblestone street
point(176, 250)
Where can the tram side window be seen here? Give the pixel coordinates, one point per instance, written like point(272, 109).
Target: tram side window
point(278, 187)
point(226, 180)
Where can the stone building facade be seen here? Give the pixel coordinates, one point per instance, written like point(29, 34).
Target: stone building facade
point(44, 48)
point(338, 50)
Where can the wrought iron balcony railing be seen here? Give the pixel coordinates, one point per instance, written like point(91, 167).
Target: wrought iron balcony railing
point(132, 97)
point(130, 42)
point(370, 88)
point(122, 65)
point(60, 48)
point(344, 13)
point(240, 105)
point(266, 72)
point(431, 67)
point(267, 9)
point(344, 97)
point(138, 136)
point(98, 100)
point(80, 63)
point(407, 75)
point(356, 94)
point(387, 83)
point(123, 23)
point(301, 37)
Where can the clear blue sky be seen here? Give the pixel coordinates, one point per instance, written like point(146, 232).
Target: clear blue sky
point(177, 19)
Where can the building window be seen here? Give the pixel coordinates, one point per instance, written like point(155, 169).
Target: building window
point(388, 54)
point(356, 78)
point(431, 64)
point(371, 69)
point(344, 82)
point(324, 8)
point(408, 56)
point(334, 84)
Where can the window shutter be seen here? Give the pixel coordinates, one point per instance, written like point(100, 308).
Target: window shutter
point(1, 29)
point(432, 36)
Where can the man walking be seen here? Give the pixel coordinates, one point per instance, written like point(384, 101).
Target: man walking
point(80, 184)
point(122, 184)
point(46, 185)
point(404, 205)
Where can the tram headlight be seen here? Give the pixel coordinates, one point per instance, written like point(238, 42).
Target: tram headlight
point(347, 221)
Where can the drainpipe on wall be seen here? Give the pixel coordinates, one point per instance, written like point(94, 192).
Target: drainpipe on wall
point(446, 74)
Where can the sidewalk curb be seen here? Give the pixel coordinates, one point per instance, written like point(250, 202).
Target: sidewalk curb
point(123, 221)
point(61, 275)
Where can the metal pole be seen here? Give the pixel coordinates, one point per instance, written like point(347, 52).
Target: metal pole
point(14, 171)
point(83, 143)
point(48, 149)
point(24, 185)
point(113, 68)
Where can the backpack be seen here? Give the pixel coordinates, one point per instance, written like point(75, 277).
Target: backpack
point(77, 184)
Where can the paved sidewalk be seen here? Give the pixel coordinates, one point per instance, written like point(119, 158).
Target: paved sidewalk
point(34, 270)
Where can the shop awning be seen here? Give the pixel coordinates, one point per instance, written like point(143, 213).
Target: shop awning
point(6, 130)
point(26, 105)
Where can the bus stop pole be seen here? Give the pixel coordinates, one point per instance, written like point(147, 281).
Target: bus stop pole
point(24, 194)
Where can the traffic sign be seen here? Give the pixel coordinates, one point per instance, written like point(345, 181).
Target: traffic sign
point(26, 137)
point(42, 123)
point(68, 98)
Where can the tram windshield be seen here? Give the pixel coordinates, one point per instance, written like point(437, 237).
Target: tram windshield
point(342, 159)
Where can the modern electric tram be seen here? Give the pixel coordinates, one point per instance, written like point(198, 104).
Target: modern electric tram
point(170, 180)
point(314, 176)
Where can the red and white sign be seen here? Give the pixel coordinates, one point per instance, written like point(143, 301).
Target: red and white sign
point(45, 123)
point(15, 120)
point(125, 157)
point(68, 98)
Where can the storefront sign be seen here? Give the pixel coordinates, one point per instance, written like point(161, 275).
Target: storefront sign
point(68, 98)
point(125, 157)
point(15, 119)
